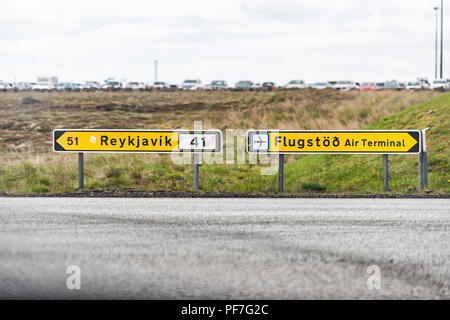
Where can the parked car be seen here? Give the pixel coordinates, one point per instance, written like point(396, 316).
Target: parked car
point(332, 84)
point(64, 86)
point(346, 85)
point(392, 85)
point(413, 85)
point(91, 85)
point(257, 86)
point(424, 82)
point(21, 86)
point(191, 84)
point(5, 86)
point(218, 85)
point(244, 85)
point(112, 84)
point(365, 86)
point(379, 85)
point(296, 84)
point(133, 85)
point(439, 84)
point(159, 85)
point(77, 86)
point(42, 86)
point(268, 85)
point(320, 85)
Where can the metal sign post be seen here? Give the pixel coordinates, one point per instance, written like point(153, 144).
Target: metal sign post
point(196, 167)
point(421, 171)
point(80, 171)
point(136, 141)
point(425, 168)
point(426, 139)
point(385, 173)
point(280, 172)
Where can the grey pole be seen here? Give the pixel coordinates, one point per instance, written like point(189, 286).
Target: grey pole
point(196, 166)
point(436, 45)
point(425, 168)
point(280, 172)
point(385, 173)
point(442, 36)
point(80, 171)
point(421, 171)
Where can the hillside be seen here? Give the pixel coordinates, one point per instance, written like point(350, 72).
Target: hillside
point(364, 173)
point(29, 166)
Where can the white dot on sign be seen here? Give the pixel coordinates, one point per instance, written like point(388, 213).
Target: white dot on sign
point(93, 139)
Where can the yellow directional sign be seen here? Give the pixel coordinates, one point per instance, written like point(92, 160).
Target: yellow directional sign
point(156, 141)
point(336, 142)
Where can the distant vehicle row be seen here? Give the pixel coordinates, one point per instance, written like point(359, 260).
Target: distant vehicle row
point(196, 84)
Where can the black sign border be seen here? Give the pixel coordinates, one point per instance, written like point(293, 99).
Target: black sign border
point(417, 148)
point(59, 132)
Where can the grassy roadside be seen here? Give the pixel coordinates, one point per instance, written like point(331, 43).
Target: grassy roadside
point(363, 173)
point(27, 128)
point(42, 173)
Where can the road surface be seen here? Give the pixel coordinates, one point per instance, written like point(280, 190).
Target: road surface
point(225, 248)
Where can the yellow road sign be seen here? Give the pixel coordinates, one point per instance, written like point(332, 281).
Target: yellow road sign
point(156, 141)
point(336, 142)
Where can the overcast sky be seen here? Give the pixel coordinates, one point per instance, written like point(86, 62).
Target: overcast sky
point(259, 40)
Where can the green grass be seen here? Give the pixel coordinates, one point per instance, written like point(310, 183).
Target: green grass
point(303, 174)
point(363, 173)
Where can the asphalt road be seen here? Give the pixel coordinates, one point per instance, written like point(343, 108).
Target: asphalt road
point(225, 248)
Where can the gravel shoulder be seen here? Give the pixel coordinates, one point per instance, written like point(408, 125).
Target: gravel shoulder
point(133, 193)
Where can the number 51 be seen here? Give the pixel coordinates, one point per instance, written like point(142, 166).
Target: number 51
point(70, 141)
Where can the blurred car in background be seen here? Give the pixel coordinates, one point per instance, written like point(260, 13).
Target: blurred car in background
point(295, 84)
point(191, 84)
point(365, 86)
point(424, 82)
point(159, 85)
point(379, 85)
point(77, 87)
point(346, 85)
point(257, 86)
point(392, 85)
point(244, 85)
point(332, 84)
point(218, 85)
point(43, 86)
point(5, 86)
point(268, 85)
point(91, 85)
point(320, 85)
point(21, 86)
point(60, 86)
point(111, 84)
point(413, 85)
point(134, 85)
point(439, 84)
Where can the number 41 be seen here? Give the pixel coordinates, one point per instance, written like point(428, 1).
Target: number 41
point(195, 143)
